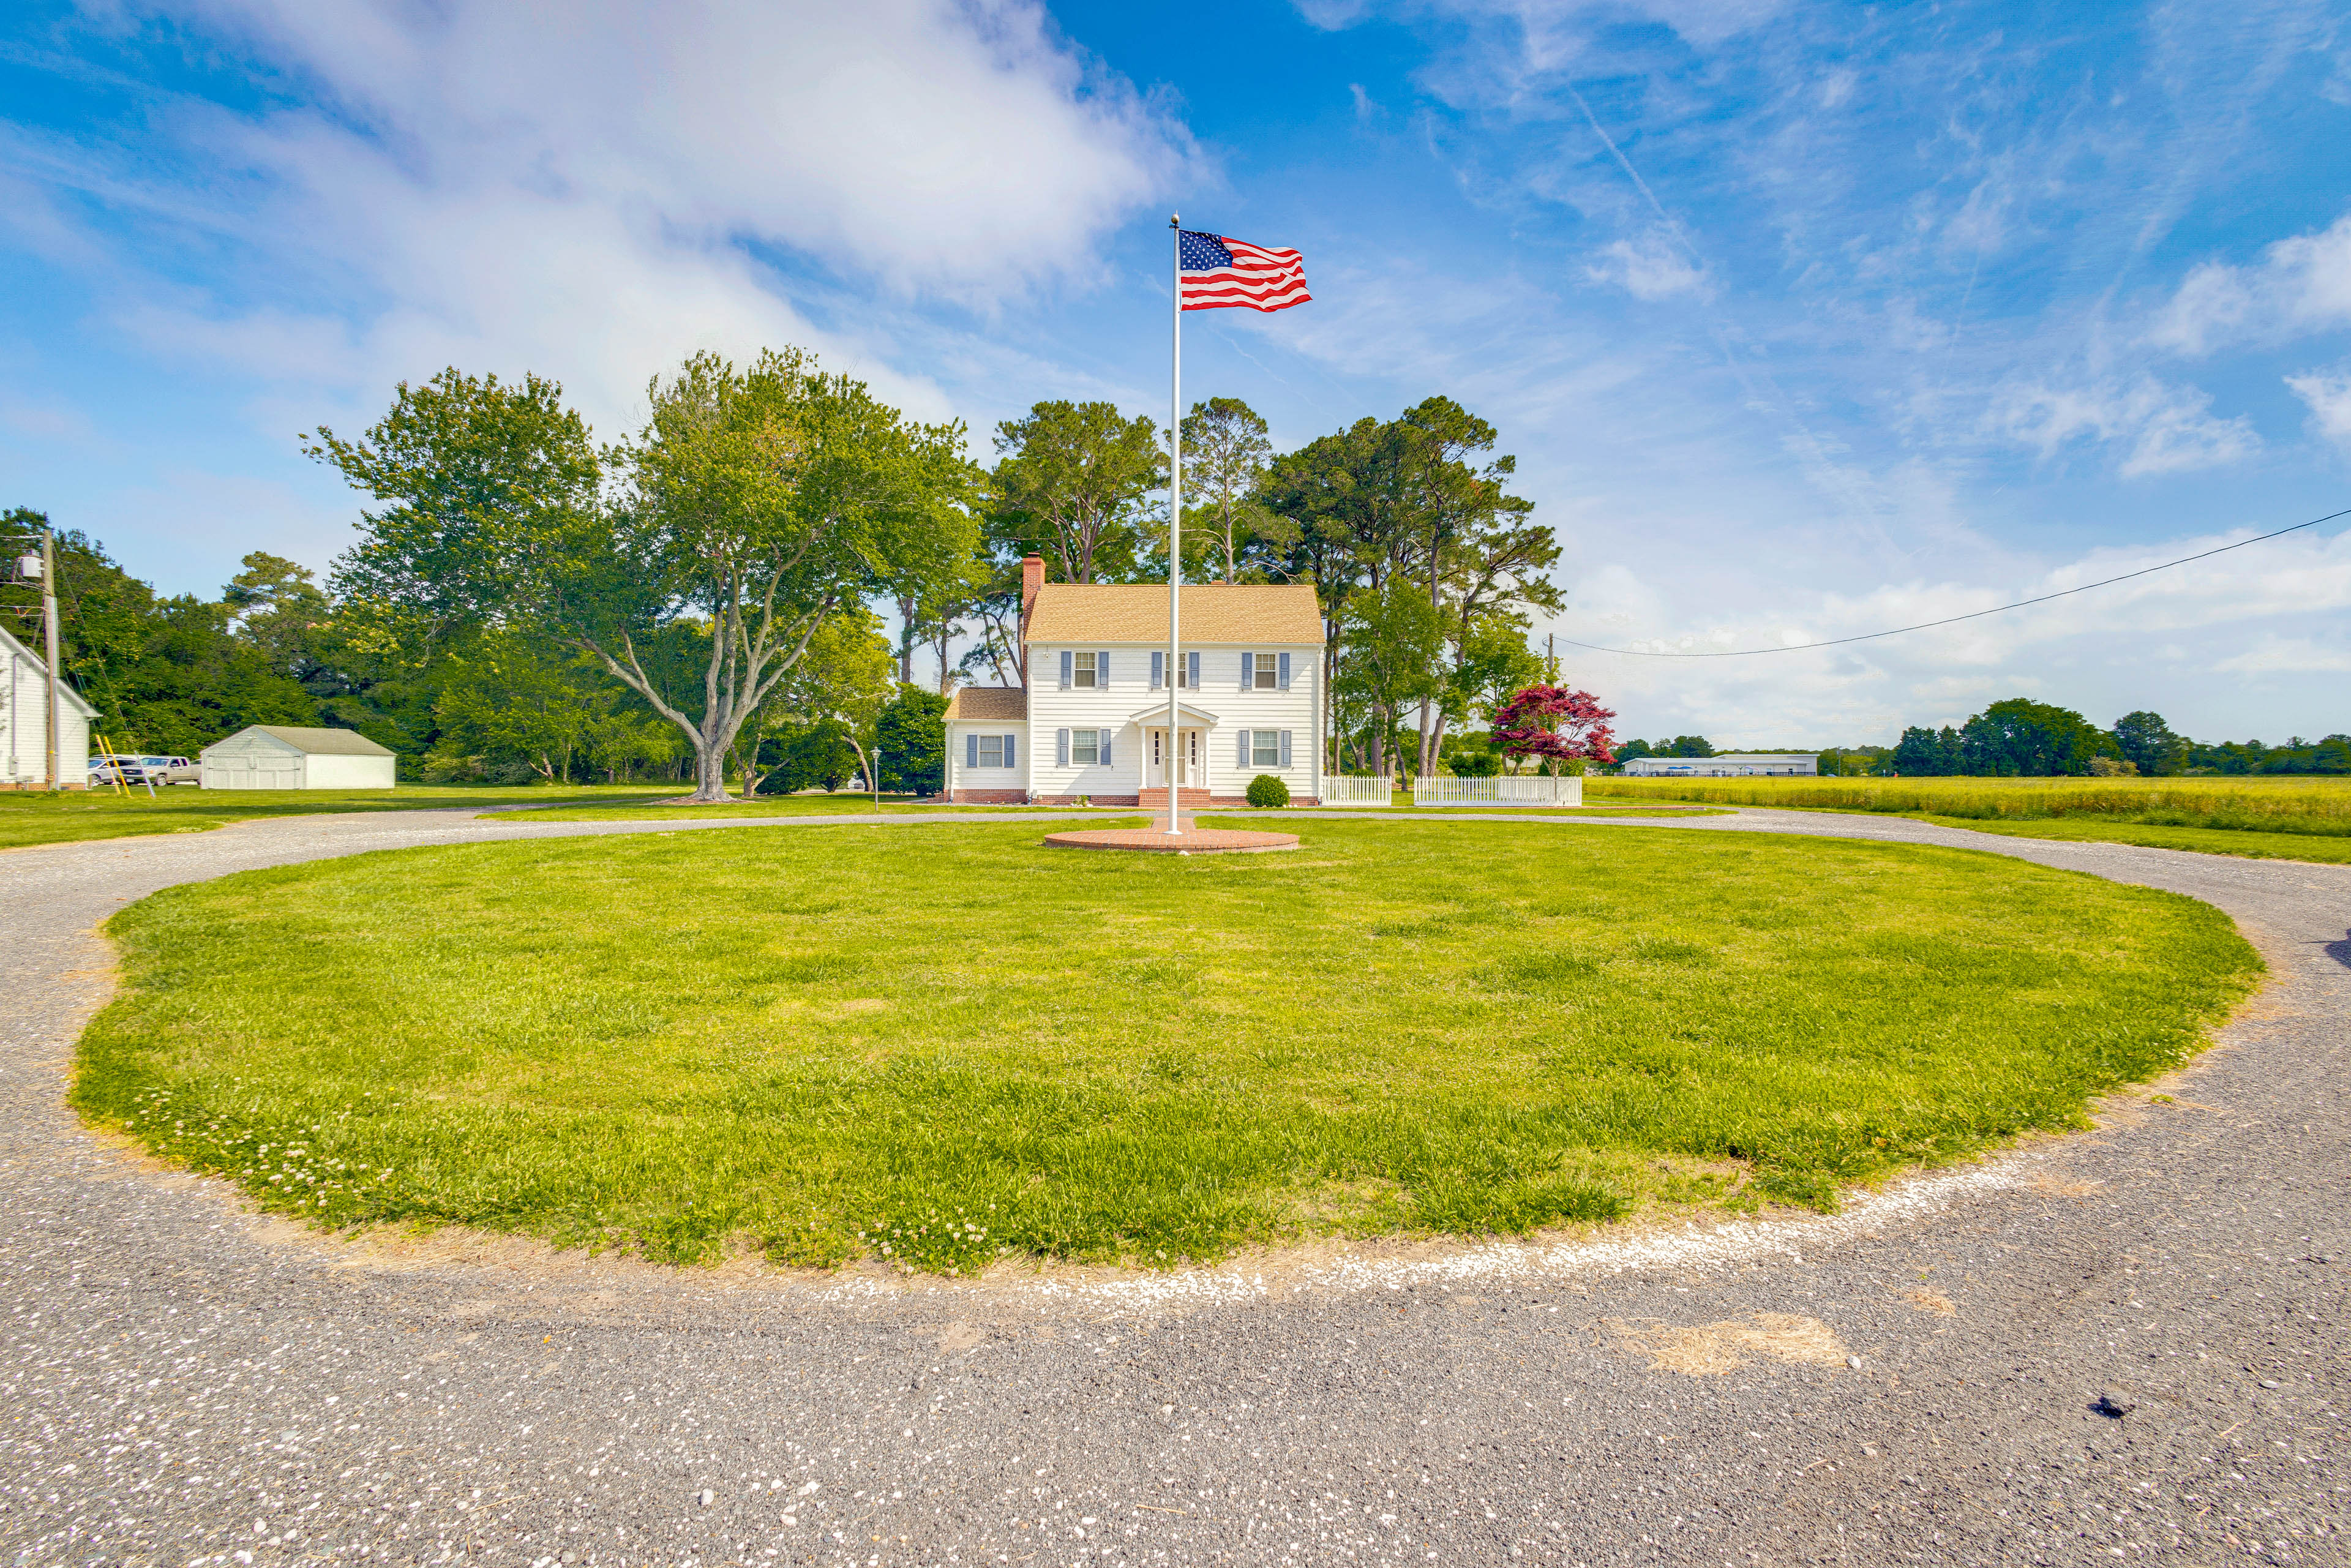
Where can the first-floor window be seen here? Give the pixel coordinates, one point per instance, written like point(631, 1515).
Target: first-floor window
point(1085, 747)
point(991, 751)
point(1265, 749)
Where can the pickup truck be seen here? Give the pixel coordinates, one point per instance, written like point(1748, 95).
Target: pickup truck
point(147, 770)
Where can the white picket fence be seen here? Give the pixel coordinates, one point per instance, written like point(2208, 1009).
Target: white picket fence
point(1524, 789)
point(1347, 791)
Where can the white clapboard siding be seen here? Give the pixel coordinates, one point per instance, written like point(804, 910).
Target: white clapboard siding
point(24, 723)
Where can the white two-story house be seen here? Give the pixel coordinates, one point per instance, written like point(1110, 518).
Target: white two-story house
point(1091, 722)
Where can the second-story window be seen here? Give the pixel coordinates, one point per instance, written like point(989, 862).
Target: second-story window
point(1269, 672)
point(1084, 676)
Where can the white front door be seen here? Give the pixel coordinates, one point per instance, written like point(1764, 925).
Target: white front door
point(1187, 759)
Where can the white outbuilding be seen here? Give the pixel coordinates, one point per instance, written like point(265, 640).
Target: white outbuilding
point(1728, 764)
point(24, 723)
point(287, 757)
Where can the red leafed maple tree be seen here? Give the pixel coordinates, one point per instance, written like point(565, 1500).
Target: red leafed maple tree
point(1555, 725)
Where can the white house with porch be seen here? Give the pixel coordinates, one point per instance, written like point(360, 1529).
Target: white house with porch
point(1091, 722)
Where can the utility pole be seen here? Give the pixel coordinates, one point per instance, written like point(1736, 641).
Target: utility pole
point(49, 628)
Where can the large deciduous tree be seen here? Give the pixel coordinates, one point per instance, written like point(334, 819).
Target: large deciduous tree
point(2022, 738)
point(758, 502)
point(844, 678)
point(2145, 739)
point(1407, 497)
point(1073, 484)
point(1924, 753)
point(1227, 451)
point(1393, 656)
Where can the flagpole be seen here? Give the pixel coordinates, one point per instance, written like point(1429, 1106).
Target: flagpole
point(1175, 515)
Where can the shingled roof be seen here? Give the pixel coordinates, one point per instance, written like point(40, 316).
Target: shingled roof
point(988, 704)
point(324, 742)
point(1240, 613)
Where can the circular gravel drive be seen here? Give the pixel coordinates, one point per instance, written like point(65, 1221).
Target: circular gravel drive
point(2126, 1344)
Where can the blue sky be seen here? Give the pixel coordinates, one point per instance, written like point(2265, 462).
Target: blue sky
point(1802, 322)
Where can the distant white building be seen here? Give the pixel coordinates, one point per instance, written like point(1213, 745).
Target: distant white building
point(294, 757)
point(1734, 765)
point(24, 723)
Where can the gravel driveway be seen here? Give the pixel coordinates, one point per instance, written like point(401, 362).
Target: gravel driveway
point(2126, 1344)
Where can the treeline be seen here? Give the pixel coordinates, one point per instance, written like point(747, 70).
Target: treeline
point(173, 674)
point(1679, 746)
point(2021, 738)
point(700, 600)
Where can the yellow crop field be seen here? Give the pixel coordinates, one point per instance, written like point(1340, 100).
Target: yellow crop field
point(2300, 804)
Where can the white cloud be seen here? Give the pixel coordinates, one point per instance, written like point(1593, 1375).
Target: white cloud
point(963, 150)
point(2163, 429)
point(2329, 397)
point(2288, 655)
point(2301, 285)
point(2151, 641)
point(1652, 267)
point(595, 190)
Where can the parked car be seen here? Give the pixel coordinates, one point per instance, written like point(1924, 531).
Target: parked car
point(170, 770)
point(115, 770)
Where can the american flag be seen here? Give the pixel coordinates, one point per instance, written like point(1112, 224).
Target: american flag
point(1219, 273)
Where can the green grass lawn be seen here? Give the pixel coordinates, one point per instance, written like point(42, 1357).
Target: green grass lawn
point(948, 1044)
point(2329, 850)
point(764, 806)
point(850, 805)
point(29, 817)
point(2314, 838)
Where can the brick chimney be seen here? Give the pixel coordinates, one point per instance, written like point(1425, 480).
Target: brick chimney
point(1032, 578)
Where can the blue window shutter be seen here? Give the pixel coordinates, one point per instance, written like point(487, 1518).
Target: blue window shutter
point(1068, 659)
point(971, 751)
point(1061, 743)
point(1245, 748)
point(1101, 747)
point(1249, 670)
point(1285, 672)
point(1192, 669)
point(1285, 739)
point(1101, 668)
point(1158, 669)
point(1011, 759)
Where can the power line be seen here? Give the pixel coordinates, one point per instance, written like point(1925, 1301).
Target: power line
point(1971, 616)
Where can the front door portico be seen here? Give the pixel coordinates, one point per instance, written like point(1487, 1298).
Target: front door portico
point(1188, 754)
point(1191, 752)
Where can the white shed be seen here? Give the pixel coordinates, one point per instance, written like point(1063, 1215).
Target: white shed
point(1728, 764)
point(24, 723)
point(285, 756)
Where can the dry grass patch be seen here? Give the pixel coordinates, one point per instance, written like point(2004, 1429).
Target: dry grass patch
point(1709, 1350)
